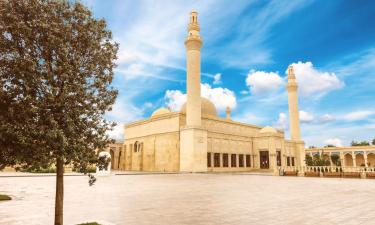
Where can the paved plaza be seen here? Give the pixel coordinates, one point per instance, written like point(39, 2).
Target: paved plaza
point(191, 199)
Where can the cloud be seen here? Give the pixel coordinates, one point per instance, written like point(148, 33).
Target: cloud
point(249, 118)
point(217, 78)
point(174, 99)
point(244, 92)
point(358, 115)
point(221, 97)
point(312, 82)
point(282, 122)
point(326, 118)
point(260, 82)
point(123, 112)
point(333, 141)
point(117, 133)
point(305, 117)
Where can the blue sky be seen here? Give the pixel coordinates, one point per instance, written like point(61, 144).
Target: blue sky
point(247, 48)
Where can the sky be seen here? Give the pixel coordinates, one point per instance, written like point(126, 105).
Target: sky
point(247, 47)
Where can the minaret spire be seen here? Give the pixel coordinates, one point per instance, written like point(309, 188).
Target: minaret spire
point(193, 44)
point(295, 132)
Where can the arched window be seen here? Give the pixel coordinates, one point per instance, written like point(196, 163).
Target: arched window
point(136, 146)
point(119, 159)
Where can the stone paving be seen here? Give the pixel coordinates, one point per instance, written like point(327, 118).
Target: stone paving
point(191, 199)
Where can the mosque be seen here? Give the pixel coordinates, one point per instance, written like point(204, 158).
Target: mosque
point(196, 139)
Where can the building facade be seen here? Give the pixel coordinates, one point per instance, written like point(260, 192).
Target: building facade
point(353, 156)
point(196, 139)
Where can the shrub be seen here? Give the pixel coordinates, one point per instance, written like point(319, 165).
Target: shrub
point(39, 170)
point(90, 223)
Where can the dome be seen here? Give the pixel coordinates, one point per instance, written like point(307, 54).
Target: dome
point(208, 108)
point(268, 129)
point(160, 111)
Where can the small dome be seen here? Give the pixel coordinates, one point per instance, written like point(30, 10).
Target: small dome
point(268, 129)
point(208, 108)
point(160, 111)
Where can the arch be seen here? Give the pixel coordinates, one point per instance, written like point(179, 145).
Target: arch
point(136, 147)
point(119, 159)
point(348, 159)
point(371, 159)
point(112, 153)
point(360, 160)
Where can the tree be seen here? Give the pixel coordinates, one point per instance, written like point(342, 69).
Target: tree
point(329, 146)
point(56, 70)
point(362, 143)
point(309, 160)
point(373, 141)
point(335, 159)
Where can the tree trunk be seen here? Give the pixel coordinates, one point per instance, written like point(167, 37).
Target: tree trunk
point(59, 200)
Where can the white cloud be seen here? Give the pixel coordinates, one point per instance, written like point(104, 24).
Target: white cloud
point(282, 122)
point(312, 82)
point(244, 92)
point(174, 99)
point(117, 133)
point(261, 82)
point(123, 112)
point(358, 115)
point(217, 78)
point(305, 117)
point(221, 97)
point(333, 141)
point(326, 118)
point(249, 118)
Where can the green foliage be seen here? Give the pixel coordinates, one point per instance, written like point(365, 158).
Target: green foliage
point(56, 69)
point(330, 145)
point(362, 143)
point(317, 160)
point(5, 197)
point(89, 169)
point(39, 170)
point(373, 141)
point(309, 160)
point(103, 162)
point(336, 160)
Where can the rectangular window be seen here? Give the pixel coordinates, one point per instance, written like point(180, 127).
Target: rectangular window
point(288, 161)
point(233, 160)
point(292, 161)
point(216, 159)
point(278, 158)
point(240, 160)
point(208, 159)
point(225, 160)
point(248, 161)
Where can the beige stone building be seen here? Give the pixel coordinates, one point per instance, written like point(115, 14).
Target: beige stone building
point(354, 156)
point(196, 139)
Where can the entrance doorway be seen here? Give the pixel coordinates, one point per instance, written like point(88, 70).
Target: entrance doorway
point(264, 160)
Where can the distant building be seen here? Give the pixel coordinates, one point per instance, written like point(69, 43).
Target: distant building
point(354, 156)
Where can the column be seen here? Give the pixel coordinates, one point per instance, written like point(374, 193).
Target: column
point(354, 162)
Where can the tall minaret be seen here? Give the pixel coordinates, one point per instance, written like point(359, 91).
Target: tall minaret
point(193, 137)
point(292, 87)
point(193, 44)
